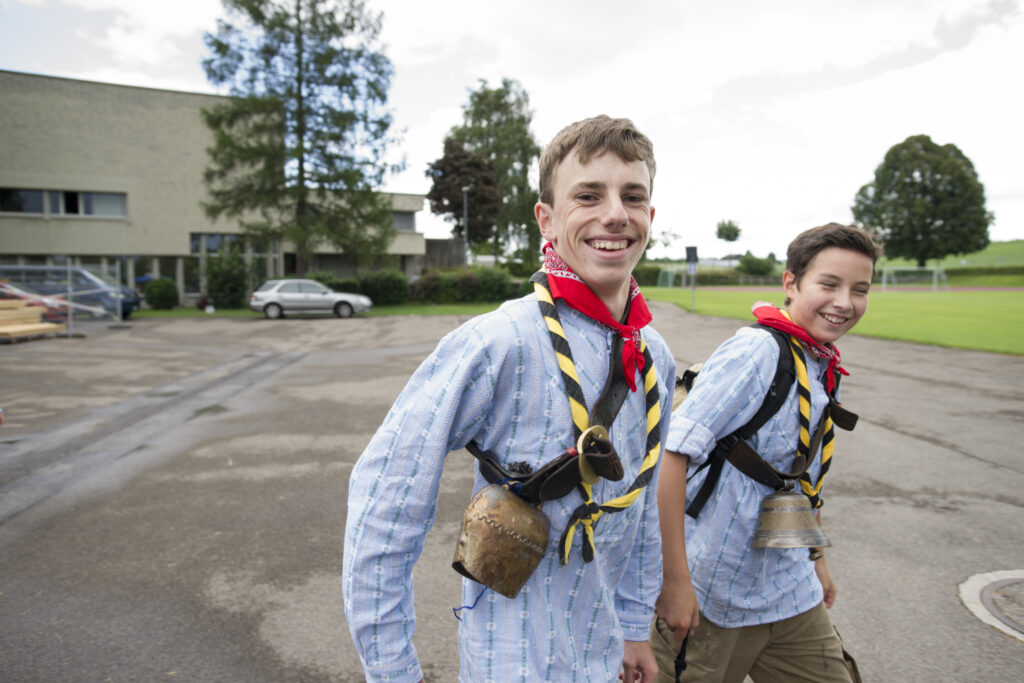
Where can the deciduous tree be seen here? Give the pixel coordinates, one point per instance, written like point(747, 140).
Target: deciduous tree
point(460, 168)
point(925, 202)
point(299, 149)
point(728, 231)
point(496, 125)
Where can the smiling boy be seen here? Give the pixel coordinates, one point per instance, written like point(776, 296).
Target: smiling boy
point(742, 610)
point(497, 387)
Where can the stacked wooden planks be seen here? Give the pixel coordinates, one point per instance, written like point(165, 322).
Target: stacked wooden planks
point(19, 321)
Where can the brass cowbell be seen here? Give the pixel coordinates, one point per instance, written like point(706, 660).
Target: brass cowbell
point(787, 521)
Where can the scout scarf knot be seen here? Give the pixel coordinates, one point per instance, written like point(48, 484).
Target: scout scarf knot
point(770, 315)
point(567, 286)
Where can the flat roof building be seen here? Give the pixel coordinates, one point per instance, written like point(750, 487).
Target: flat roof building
point(111, 176)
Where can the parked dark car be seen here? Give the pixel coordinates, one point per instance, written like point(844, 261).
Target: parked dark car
point(276, 298)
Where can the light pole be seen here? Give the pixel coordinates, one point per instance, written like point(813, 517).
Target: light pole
point(465, 218)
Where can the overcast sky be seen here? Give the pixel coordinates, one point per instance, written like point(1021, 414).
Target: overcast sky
point(771, 114)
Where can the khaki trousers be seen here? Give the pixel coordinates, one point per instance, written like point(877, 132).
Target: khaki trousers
point(805, 648)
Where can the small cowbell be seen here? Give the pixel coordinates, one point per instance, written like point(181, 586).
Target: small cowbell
point(503, 540)
point(787, 521)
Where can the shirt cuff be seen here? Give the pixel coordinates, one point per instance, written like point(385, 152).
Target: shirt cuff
point(636, 630)
point(406, 670)
point(690, 438)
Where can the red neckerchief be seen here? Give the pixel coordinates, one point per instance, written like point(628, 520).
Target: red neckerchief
point(567, 286)
point(770, 315)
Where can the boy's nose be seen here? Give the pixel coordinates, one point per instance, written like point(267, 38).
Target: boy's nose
point(615, 212)
point(842, 298)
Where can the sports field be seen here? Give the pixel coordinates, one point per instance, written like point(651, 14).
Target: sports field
point(981, 319)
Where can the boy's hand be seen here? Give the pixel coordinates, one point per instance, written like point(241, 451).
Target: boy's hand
point(829, 586)
point(638, 662)
point(677, 607)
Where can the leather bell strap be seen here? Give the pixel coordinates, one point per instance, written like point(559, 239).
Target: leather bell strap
point(590, 511)
point(557, 477)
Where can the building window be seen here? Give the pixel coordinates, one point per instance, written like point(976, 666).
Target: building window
point(103, 204)
point(191, 264)
point(215, 242)
point(404, 221)
point(21, 201)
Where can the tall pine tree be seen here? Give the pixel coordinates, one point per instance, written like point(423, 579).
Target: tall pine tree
point(299, 149)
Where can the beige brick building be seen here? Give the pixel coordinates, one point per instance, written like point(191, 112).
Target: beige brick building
point(110, 176)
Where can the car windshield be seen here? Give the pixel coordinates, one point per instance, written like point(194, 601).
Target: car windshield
point(267, 285)
point(104, 277)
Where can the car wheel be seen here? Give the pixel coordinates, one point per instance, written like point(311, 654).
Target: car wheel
point(343, 310)
point(273, 312)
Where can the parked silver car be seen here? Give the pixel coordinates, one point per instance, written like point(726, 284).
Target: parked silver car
point(275, 298)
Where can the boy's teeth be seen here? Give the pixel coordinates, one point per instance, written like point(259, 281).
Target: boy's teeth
point(609, 245)
point(833, 319)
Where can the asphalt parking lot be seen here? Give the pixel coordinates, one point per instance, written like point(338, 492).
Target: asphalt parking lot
point(172, 500)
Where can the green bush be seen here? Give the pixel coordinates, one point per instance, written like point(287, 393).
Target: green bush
point(227, 278)
point(446, 287)
point(477, 285)
point(324, 277)
point(349, 284)
point(984, 270)
point(647, 274)
point(751, 265)
point(386, 287)
point(161, 294)
point(426, 287)
point(494, 284)
point(334, 282)
point(467, 287)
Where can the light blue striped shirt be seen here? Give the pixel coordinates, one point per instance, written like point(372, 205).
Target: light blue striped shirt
point(495, 380)
point(738, 585)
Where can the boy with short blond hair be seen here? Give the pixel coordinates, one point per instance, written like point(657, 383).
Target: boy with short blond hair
point(738, 610)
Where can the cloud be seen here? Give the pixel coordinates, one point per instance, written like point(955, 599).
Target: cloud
point(946, 37)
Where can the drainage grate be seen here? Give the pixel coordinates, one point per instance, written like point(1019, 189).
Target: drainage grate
point(997, 598)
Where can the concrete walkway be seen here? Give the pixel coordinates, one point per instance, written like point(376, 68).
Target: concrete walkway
point(172, 500)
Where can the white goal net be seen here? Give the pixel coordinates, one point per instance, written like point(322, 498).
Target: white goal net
point(928, 277)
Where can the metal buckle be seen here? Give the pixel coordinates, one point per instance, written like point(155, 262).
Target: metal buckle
point(587, 472)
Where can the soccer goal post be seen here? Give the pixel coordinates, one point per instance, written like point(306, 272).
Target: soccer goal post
point(667, 277)
point(927, 277)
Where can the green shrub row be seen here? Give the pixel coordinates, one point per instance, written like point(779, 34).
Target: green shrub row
point(985, 270)
point(391, 287)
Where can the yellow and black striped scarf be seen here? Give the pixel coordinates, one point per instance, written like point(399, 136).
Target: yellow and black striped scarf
point(588, 513)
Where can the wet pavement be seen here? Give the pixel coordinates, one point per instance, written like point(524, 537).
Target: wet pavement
point(172, 500)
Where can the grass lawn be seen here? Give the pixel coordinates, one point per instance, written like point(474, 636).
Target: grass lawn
point(982, 320)
point(986, 320)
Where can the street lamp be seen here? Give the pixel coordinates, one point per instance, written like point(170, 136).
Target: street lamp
point(465, 211)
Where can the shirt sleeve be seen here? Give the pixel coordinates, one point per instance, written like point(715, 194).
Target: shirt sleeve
point(727, 393)
point(641, 582)
point(393, 493)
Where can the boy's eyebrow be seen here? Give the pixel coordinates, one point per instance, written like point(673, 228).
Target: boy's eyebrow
point(837, 277)
point(597, 185)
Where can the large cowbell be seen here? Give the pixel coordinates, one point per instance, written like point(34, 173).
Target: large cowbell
point(787, 521)
point(503, 540)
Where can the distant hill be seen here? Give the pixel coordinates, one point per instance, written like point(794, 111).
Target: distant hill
point(996, 254)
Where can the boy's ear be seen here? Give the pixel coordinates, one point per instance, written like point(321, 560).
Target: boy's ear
point(789, 282)
point(542, 212)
